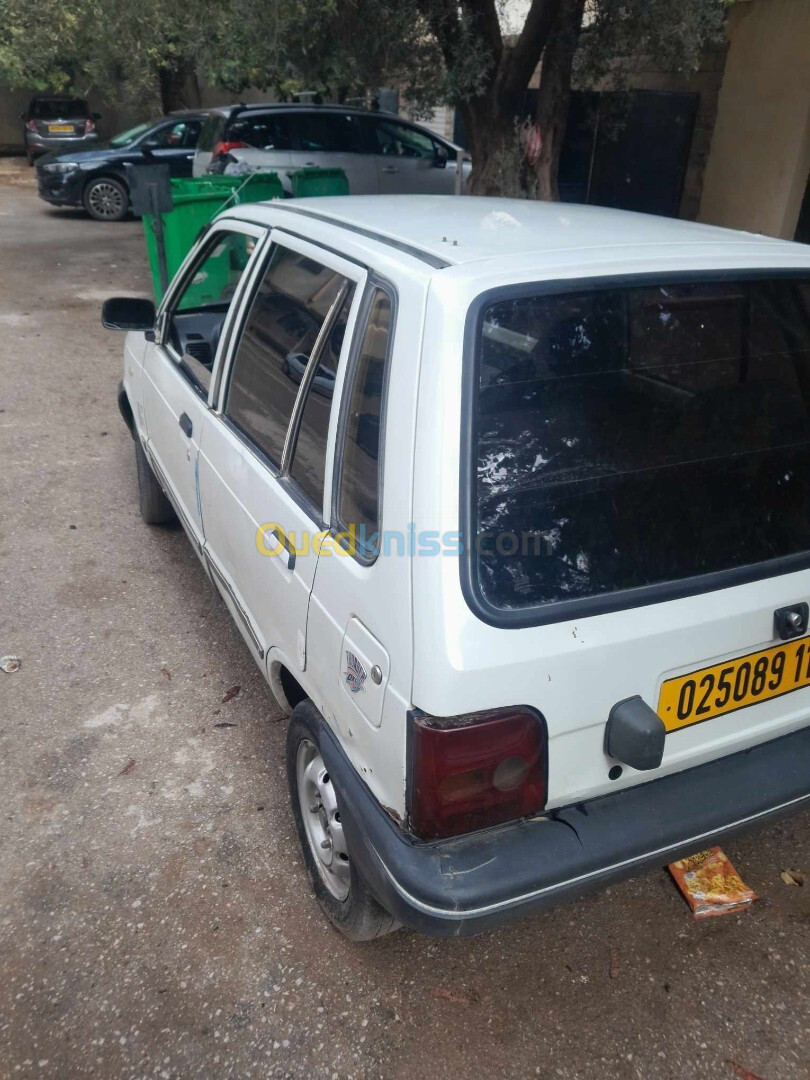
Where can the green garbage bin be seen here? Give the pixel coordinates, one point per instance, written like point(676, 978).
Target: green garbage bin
point(195, 203)
point(309, 182)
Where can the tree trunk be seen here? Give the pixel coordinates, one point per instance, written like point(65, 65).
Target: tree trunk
point(178, 85)
point(554, 97)
point(494, 145)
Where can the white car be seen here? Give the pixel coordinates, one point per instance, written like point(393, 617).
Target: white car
point(524, 549)
point(380, 153)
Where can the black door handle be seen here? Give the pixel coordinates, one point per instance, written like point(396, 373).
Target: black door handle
point(185, 424)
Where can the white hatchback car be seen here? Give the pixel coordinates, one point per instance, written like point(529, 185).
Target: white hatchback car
point(510, 503)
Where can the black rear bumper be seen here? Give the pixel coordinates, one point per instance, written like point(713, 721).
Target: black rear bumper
point(470, 883)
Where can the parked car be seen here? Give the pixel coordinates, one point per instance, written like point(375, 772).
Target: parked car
point(379, 152)
point(97, 179)
point(57, 123)
point(556, 499)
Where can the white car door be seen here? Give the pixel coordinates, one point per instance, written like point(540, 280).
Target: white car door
point(263, 465)
point(410, 161)
point(328, 139)
point(179, 363)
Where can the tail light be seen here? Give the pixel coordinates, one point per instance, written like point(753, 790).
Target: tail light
point(226, 147)
point(31, 125)
point(476, 770)
point(89, 127)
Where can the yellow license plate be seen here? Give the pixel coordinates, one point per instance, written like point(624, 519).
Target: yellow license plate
point(734, 684)
point(60, 127)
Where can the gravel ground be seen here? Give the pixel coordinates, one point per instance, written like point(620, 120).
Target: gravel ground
point(155, 919)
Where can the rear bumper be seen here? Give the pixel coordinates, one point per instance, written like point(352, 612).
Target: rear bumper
point(40, 144)
point(472, 883)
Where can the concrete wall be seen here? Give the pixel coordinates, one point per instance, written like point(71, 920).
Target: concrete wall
point(759, 161)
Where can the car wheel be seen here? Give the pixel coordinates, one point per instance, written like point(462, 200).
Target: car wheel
point(106, 199)
point(342, 893)
point(155, 507)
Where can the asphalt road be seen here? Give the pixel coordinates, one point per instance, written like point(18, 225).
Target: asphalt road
point(155, 919)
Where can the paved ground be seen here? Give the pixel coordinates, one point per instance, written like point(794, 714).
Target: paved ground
point(154, 914)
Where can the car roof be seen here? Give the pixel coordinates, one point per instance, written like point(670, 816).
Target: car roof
point(183, 113)
point(448, 230)
point(299, 106)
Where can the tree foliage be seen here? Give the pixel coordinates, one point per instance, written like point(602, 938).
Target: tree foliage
point(433, 51)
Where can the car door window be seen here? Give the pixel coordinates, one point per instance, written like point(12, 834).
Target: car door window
point(399, 140)
point(197, 315)
point(267, 131)
point(309, 455)
point(288, 311)
point(330, 132)
point(358, 498)
point(191, 133)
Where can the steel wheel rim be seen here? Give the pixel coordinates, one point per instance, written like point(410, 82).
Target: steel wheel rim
point(321, 817)
point(105, 199)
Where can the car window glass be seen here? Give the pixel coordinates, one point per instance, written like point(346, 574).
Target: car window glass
point(195, 323)
point(59, 108)
point(170, 135)
point(632, 436)
point(191, 133)
point(210, 133)
point(265, 131)
point(309, 457)
point(285, 318)
point(329, 132)
point(399, 140)
point(124, 138)
point(358, 492)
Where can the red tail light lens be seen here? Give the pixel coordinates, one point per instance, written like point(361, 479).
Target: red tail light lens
point(89, 127)
point(472, 771)
point(226, 147)
point(31, 125)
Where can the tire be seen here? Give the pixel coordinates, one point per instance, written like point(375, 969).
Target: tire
point(106, 199)
point(155, 507)
point(340, 890)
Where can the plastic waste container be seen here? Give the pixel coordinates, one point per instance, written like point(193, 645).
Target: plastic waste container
point(195, 203)
point(309, 182)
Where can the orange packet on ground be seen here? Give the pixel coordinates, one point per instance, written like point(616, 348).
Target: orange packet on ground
point(710, 884)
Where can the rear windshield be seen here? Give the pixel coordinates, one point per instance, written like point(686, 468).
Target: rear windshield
point(631, 436)
point(58, 109)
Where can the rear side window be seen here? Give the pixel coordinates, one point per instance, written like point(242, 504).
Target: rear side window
point(309, 459)
point(329, 132)
point(630, 437)
point(288, 311)
point(358, 501)
point(262, 131)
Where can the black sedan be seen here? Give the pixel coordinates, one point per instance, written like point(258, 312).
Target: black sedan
point(97, 179)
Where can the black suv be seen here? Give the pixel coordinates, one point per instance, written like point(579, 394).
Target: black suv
point(97, 179)
point(57, 123)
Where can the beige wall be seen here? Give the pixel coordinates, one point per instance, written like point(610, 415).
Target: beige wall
point(759, 160)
